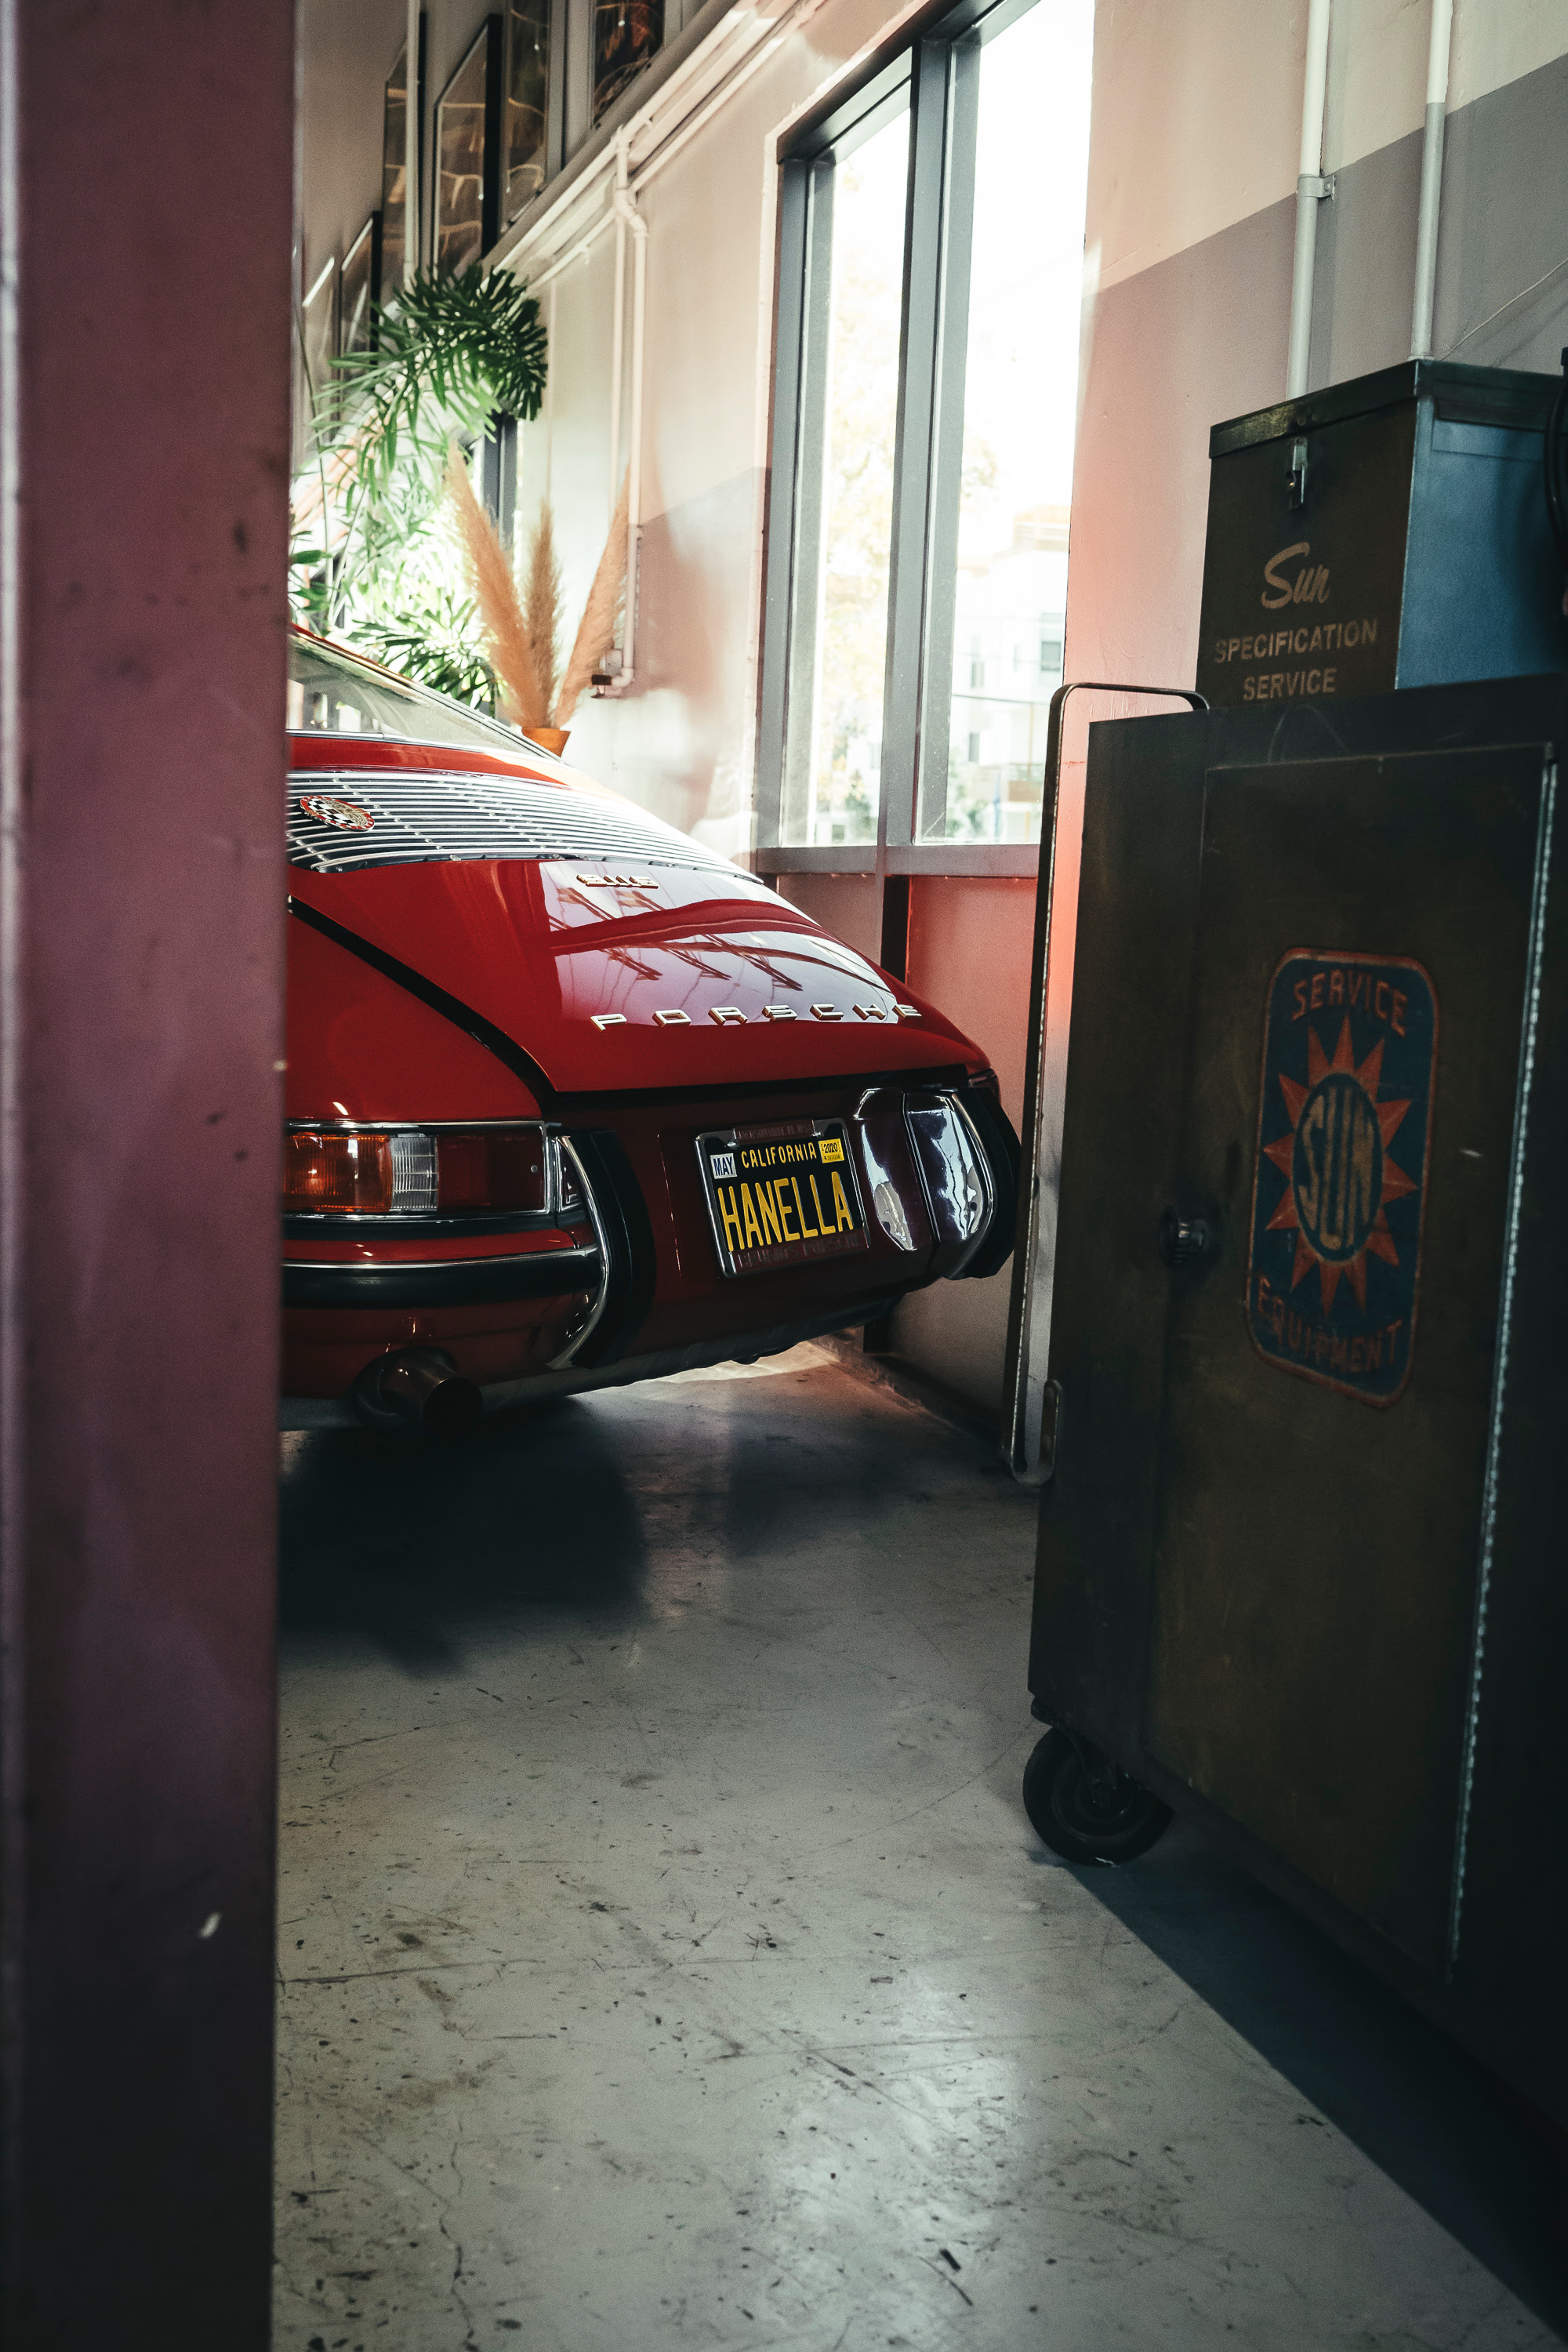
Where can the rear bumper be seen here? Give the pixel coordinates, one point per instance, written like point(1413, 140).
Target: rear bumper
point(444, 1282)
point(552, 1320)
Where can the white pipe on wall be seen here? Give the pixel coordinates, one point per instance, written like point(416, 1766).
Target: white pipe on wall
point(1310, 189)
point(711, 106)
point(627, 217)
point(617, 316)
point(707, 107)
point(629, 220)
point(1431, 179)
point(702, 84)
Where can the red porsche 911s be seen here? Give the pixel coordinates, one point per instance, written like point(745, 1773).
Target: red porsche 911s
point(572, 1101)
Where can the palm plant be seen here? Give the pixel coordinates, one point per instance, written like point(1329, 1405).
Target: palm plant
point(373, 555)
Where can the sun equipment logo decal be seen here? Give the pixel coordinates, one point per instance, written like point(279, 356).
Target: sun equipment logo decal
point(1339, 1194)
point(347, 815)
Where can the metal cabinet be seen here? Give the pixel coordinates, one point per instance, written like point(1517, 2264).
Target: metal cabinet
point(1303, 1566)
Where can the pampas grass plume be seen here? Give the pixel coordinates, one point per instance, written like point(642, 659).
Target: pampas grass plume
point(598, 622)
point(495, 593)
point(542, 605)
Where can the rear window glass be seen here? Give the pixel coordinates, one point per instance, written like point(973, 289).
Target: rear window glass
point(331, 694)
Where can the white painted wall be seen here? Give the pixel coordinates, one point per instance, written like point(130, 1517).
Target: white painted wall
point(1197, 111)
point(1197, 103)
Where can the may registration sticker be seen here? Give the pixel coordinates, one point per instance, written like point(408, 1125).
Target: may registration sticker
point(782, 1194)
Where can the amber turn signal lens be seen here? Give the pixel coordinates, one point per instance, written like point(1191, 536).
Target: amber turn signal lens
point(338, 1172)
point(410, 1171)
point(492, 1168)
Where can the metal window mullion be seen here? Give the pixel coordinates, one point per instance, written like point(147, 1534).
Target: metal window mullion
point(805, 531)
point(946, 468)
point(778, 554)
point(914, 442)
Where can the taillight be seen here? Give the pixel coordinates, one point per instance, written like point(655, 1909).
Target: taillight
point(492, 1168)
point(410, 1172)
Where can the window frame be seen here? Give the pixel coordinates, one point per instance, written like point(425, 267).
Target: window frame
point(489, 43)
point(934, 71)
point(554, 112)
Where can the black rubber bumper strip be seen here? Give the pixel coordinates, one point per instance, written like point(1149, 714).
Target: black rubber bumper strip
point(454, 1281)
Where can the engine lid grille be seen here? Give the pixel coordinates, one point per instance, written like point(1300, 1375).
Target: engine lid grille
point(424, 816)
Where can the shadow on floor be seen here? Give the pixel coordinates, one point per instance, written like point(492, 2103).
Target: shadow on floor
point(412, 1545)
point(581, 1506)
point(1482, 2162)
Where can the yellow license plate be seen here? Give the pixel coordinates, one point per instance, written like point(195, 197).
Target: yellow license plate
point(781, 1194)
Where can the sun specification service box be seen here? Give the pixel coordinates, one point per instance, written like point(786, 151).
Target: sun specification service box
point(1389, 532)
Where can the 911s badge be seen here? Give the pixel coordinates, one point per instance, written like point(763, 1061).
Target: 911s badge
point(1350, 1058)
point(328, 809)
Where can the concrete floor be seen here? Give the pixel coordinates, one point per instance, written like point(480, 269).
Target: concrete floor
point(666, 1958)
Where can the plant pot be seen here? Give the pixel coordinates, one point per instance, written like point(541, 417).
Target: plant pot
point(552, 738)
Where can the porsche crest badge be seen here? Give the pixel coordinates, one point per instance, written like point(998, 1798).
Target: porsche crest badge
point(328, 809)
point(1339, 1190)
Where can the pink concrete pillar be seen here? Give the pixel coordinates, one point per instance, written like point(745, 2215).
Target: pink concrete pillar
point(146, 165)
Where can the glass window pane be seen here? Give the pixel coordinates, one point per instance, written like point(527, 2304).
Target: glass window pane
point(833, 774)
point(393, 174)
point(355, 331)
point(527, 101)
point(460, 163)
point(1009, 589)
point(319, 345)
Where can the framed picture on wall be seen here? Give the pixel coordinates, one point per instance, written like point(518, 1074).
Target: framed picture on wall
point(358, 292)
point(527, 167)
point(394, 175)
point(627, 34)
point(317, 337)
point(468, 154)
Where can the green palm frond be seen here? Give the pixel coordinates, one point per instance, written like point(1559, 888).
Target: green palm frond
point(433, 635)
point(453, 350)
point(459, 335)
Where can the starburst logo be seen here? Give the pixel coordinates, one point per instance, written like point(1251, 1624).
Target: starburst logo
point(1332, 1124)
point(1339, 1175)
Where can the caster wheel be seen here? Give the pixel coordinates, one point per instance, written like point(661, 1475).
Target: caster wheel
point(1088, 1815)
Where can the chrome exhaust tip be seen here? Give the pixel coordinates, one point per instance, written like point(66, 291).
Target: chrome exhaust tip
point(418, 1388)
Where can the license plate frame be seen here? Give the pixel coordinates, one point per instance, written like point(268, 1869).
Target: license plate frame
point(777, 1179)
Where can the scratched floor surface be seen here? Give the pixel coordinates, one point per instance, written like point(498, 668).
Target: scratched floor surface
point(665, 1959)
